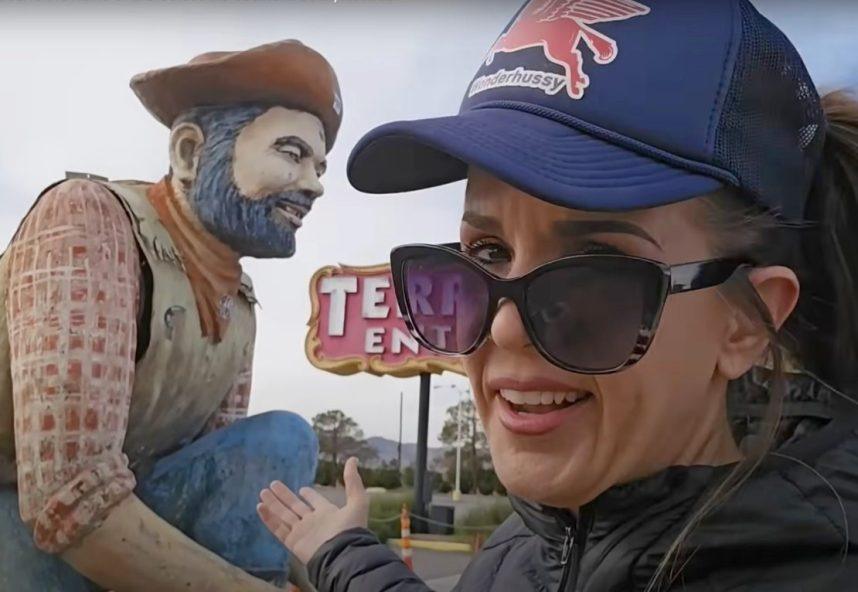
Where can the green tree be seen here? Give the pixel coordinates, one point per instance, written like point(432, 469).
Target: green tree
point(475, 453)
point(340, 437)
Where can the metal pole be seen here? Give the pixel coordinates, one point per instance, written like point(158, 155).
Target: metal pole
point(422, 439)
point(457, 493)
point(399, 446)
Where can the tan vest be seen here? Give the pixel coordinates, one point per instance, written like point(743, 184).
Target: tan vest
point(182, 378)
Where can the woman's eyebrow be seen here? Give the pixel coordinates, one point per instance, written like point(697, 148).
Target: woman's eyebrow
point(577, 228)
point(479, 221)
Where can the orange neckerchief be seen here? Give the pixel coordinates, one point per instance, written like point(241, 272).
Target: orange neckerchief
point(212, 268)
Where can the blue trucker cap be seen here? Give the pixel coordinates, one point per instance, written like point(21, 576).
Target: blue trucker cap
point(618, 104)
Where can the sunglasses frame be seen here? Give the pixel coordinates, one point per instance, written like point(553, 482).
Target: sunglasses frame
point(674, 279)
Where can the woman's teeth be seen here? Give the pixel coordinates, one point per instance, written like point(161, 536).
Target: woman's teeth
point(543, 397)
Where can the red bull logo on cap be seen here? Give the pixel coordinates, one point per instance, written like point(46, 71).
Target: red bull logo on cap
point(559, 27)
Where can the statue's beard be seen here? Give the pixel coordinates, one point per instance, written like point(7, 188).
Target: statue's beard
point(251, 228)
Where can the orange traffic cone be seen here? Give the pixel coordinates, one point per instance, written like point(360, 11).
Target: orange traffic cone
point(405, 534)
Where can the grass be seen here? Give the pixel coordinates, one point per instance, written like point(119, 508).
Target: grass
point(383, 506)
point(482, 520)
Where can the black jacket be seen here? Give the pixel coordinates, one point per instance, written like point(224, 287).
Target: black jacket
point(787, 529)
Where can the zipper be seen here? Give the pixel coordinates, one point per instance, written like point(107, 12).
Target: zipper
point(568, 543)
point(573, 549)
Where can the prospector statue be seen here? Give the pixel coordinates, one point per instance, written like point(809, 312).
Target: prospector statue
point(126, 342)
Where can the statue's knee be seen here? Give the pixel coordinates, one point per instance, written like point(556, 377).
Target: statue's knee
point(281, 432)
point(287, 444)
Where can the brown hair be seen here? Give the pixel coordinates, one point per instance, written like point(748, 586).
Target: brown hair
point(821, 336)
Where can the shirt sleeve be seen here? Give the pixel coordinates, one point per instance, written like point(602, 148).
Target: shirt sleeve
point(73, 292)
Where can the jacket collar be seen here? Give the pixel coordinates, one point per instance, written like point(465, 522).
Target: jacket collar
point(621, 503)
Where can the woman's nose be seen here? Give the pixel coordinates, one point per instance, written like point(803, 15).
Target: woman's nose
point(508, 329)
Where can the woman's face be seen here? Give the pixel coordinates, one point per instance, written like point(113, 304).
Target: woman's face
point(668, 409)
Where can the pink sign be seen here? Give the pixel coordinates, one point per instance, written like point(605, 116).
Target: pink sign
point(356, 326)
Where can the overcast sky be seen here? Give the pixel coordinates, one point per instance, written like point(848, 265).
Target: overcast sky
point(65, 105)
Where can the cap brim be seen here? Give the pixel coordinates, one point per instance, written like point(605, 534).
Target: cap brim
point(540, 156)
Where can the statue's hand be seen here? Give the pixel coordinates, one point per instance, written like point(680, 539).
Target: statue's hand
point(305, 525)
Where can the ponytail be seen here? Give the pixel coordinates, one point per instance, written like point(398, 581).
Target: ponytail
point(830, 304)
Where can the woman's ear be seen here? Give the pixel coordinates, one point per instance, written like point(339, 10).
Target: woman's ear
point(747, 337)
point(186, 143)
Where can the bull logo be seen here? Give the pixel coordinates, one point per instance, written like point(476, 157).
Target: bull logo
point(559, 26)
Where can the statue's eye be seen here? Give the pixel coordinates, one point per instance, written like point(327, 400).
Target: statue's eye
point(293, 153)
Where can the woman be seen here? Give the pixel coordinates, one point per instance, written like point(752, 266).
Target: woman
point(655, 305)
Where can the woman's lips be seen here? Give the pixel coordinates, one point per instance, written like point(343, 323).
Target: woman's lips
point(534, 413)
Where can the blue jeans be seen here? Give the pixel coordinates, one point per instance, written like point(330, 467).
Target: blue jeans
point(208, 490)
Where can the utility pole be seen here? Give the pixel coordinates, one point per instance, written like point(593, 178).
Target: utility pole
point(459, 444)
point(457, 493)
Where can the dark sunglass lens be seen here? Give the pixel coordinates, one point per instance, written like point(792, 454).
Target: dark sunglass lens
point(589, 316)
point(448, 300)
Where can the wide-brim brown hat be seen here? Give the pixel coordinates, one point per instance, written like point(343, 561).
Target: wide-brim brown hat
point(285, 73)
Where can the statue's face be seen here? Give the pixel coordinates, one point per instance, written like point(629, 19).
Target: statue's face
point(255, 185)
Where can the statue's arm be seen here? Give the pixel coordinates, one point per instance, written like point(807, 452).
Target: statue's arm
point(71, 305)
point(71, 311)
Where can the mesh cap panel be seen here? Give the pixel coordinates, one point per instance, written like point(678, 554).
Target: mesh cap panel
point(772, 127)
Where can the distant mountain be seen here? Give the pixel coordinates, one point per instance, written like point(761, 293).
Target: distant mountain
point(386, 451)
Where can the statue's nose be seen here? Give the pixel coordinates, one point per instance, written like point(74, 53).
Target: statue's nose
point(309, 183)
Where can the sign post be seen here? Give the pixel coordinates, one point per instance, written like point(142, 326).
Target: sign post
point(356, 326)
point(422, 493)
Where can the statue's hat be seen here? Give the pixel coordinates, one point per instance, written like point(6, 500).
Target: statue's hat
point(285, 73)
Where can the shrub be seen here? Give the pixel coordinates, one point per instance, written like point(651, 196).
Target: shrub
point(383, 477)
point(489, 484)
point(466, 483)
point(484, 519)
point(326, 473)
point(329, 475)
